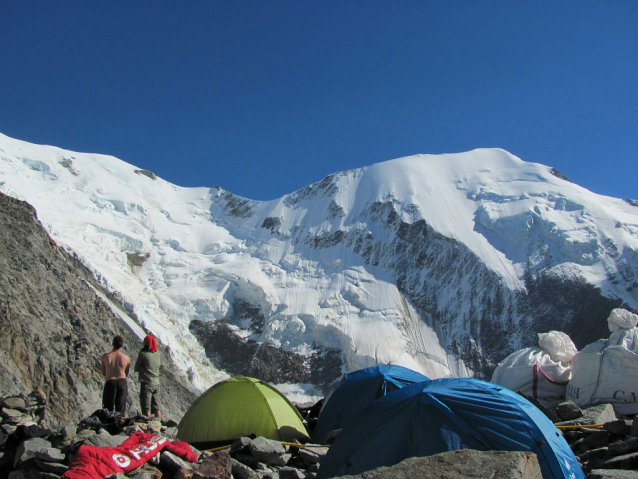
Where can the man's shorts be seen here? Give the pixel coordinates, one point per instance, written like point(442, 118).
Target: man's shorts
point(149, 397)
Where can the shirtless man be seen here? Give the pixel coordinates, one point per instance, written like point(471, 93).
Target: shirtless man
point(115, 367)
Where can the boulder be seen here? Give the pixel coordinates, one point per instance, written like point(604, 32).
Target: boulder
point(599, 414)
point(105, 440)
point(463, 464)
point(269, 451)
point(624, 447)
point(241, 471)
point(620, 427)
point(312, 455)
point(54, 467)
point(594, 440)
point(36, 448)
point(68, 431)
point(172, 462)
point(15, 402)
point(568, 410)
point(626, 461)
point(214, 466)
point(291, 473)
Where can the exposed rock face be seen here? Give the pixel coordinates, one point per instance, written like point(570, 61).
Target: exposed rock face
point(55, 328)
point(245, 357)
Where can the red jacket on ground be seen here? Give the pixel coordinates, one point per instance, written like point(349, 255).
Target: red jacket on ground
point(93, 462)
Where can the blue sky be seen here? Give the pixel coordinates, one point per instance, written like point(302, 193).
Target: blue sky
point(265, 97)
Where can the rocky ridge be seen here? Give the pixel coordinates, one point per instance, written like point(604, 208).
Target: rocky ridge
point(56, 324)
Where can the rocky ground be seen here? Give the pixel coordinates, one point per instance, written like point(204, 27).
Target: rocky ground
point(605, 445)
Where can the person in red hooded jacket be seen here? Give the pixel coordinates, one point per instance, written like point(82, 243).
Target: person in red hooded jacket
point(148, 367)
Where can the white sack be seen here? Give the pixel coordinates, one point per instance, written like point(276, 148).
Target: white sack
point(621, 319)
point(533, 372)
point(558, 345)
point(607, 372)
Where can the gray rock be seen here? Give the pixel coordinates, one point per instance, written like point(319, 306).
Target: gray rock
point(105, 440)
point(599, 414)
point(9, 428)
point(54, 467)
point(463, 464)
point(19, 474)
point(68, 431)
point(620, 427)
point(248, 460)
point(119, 475)
point(269, 451)
point(15, 402)
point(240, 444)
point(601, 453)
point(172, 462)
point(144, 475)
point(36, 448)
point(217, 465)
point(74, 442)
point(311, 475)
point(312, 455)
point(241, 471)
point(309, 457)
point(595, 440)
point(568, 410)
point(291, 473)
point(624, 447)
point(626, 461)
point(13, 416)
point(132, 429)
point(612, 474)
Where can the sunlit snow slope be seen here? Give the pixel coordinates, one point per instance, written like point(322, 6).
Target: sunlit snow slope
point(443, 264)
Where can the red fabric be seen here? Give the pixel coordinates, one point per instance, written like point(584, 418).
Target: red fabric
point(151, 342)
point(92, 462)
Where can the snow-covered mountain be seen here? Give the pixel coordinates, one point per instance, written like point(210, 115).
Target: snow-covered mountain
point(440, 263)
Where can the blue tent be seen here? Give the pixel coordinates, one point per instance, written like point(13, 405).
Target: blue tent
point(444, 415)
point(358, 389)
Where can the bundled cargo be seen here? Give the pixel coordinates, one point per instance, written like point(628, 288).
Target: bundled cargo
point(607, 371)
point(542, 372)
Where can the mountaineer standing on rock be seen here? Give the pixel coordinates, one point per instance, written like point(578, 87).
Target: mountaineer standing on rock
point(115, 368)
point(148, 366)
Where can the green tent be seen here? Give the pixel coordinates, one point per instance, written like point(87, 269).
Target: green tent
point(238, 407)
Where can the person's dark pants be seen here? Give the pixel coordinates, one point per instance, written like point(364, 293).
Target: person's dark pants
point(115, 394)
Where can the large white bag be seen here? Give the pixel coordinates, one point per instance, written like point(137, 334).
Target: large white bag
point(542, 373)
point(607, 371)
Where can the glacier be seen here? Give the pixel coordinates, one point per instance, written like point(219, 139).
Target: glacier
point(440, 263)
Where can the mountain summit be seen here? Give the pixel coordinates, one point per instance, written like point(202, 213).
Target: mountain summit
point(441, 263)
